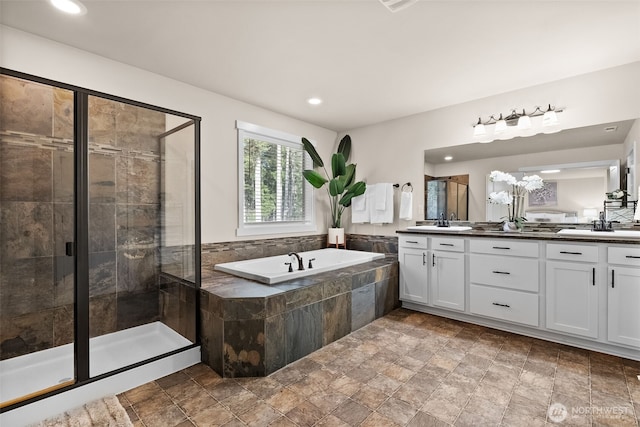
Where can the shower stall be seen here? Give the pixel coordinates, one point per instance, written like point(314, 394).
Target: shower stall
point(99, 236)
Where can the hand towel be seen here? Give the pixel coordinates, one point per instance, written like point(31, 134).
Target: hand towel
point(360, 208)
point(406, 205)
point(382, 216)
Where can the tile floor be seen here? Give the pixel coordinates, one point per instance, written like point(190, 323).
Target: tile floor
point(407, 369)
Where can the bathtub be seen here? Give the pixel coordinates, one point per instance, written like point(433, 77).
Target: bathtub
point(271, 270)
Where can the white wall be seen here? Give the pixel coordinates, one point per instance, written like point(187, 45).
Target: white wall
point(30, 54)
point(393, 151)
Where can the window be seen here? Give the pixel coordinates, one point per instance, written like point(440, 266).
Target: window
point(273, 195)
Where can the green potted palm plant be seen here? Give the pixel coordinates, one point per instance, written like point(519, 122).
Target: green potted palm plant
point(341, 185)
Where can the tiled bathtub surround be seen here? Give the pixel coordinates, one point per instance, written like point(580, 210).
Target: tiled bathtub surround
point(37, 216)
point(406, 369)
point(250, 329)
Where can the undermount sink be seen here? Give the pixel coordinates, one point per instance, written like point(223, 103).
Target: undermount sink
point(616, 233)
point(436, 228)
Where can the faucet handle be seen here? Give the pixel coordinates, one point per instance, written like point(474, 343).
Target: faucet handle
point(311, 265)
point(290, 267)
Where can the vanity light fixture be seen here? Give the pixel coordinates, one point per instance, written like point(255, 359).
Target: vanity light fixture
point(550, 171)
point(518, 124)
point(72, 7)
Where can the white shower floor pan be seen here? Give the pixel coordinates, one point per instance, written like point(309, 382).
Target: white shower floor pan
point(28, 374)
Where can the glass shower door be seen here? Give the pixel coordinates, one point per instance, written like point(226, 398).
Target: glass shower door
point(126, 322)
point(36, 239)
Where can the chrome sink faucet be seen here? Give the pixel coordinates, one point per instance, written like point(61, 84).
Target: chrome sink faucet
point(300, 262)
point(442, 221)
point(602, 224)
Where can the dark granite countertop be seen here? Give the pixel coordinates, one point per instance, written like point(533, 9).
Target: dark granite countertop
point(530, 235)
point(227, 285)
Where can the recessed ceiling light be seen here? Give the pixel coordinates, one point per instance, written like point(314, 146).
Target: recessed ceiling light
point(72, 7)
point(448, 158)
point(550, 171)
point(314, 101)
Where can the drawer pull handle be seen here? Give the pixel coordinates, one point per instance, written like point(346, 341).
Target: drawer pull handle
point(501, 305)
point(446, 244)
point(500, 272)
point(571, 253)
point(501, 247)
point(424, 258)
point(433, 260)
point(412, 241)
point(594, 276)
point(633, 256)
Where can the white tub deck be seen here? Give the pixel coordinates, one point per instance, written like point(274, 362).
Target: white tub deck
point(271, 270)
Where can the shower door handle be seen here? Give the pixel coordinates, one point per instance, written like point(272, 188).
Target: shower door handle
point(70, 249)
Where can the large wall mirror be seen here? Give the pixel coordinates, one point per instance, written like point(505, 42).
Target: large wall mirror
point(579, 166)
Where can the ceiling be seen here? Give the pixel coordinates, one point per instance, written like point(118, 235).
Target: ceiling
point(583, 137)
point(368, 65)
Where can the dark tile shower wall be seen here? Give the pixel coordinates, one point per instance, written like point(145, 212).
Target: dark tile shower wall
point(37, 216)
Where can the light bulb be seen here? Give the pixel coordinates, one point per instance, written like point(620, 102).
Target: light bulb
point(72, 7)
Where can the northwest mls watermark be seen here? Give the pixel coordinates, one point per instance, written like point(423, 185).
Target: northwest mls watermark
point(558, 412)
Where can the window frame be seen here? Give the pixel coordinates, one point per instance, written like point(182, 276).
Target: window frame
point(249, 130)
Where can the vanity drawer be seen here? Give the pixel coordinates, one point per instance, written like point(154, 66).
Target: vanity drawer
point(624, 256)
point(505, 247)
point(504, 304)
point(445, 244)
point(418, 242)
point(506, 272)
point(584, 253)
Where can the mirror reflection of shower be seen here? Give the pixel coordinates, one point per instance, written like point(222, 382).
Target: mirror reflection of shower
point(448, 196)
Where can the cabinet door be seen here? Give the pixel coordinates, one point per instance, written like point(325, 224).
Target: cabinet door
point(414, 275)
point(447, 280)
point(572, 298)
point(624, 306)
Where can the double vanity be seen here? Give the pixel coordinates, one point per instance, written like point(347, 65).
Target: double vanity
point(575, 287)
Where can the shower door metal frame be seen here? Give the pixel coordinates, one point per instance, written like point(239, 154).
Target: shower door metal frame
point(81, 233)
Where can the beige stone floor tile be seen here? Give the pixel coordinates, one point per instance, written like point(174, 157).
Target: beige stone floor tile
point(378, 420)
point(287, 375)
point(305, 414)
point(532, 392)
point(384, 383)
point(412, 395)
point(184, 391)
point(327, 400)
point(398, 373)
point(331, 421)
point(197, 403)
point(423, 419)
point(282, 422)
point(305, 387)
point(444, 410)
point(346, 385)
point(480, 412)
point(370, 397)
point(500, 396)
point(352, 412)
point(216, 415)
point(142, 392)
point(285, 400)
point(241, 402)
point(224, 389)
point(261, 415)
point(397, 410)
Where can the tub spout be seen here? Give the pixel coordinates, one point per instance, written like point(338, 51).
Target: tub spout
point(300, 262)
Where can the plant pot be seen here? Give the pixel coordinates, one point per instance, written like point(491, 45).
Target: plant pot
point(335, 236)
point(510, 226)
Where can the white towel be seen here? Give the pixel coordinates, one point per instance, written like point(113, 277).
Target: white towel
point(382, 216)
point(381, 196)
point(360, 208)
point(406, 205)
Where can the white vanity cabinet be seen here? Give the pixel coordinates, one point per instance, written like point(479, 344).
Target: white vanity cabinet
point(504, 280)
point(414, 268)
point(572, 289)
point(623, 296)
point(447, 272)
